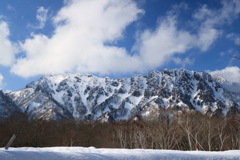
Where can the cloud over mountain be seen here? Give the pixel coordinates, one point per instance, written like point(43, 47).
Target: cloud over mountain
point(232, 75)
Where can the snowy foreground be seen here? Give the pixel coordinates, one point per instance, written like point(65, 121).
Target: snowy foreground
point(91, 153)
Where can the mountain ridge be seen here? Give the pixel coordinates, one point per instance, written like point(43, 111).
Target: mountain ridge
point(88, 97)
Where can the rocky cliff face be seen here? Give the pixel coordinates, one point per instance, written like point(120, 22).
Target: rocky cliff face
point(87, 97)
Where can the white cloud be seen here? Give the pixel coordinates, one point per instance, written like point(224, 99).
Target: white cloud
point(83, 27)
point(184, 62)
point(11, 8)
point(232, 75)
point(222, 53)
point(211, 19)
point(7, 48)
point(178, 7)
point(234, 37)
point(1, 82)
point(158, 46)
point(41, 18)
point(226, 14)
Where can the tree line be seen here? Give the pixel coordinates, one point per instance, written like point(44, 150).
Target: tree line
point(168, 130)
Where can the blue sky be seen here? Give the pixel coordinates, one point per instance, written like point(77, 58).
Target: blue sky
point(116, 38)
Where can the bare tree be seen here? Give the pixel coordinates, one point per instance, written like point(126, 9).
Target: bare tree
point(122, 135)
point(210, 132)
point(131, 135)
point(221, 125)
point(234, 132)
point(188, 126)
point(141, 136)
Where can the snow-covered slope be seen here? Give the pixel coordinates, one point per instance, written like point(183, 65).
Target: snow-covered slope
point(38, 105)
point(93, 98)
point(91, 153)
point(7, 106)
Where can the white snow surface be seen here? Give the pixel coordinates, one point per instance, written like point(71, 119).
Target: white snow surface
point(91, 153)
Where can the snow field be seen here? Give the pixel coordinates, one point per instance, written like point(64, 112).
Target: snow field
point(91, 153)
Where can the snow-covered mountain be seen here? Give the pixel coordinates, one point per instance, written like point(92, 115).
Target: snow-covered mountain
point(88, 97)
